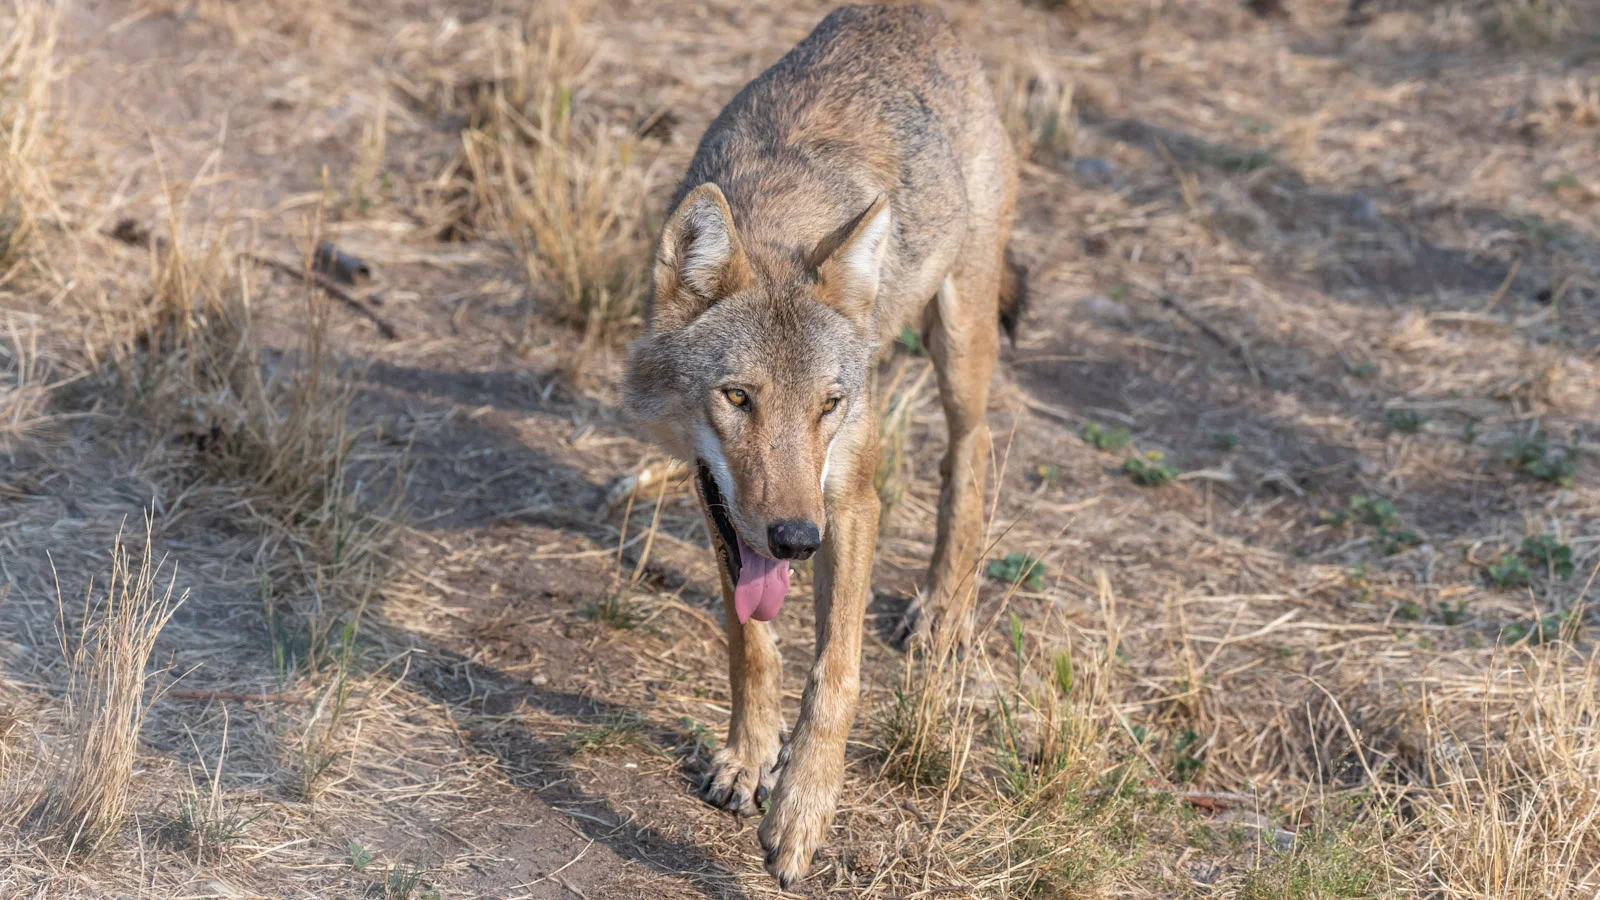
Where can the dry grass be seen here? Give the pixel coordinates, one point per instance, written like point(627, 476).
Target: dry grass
point(1306, 261)
point(88, 792)
point(550, 178)
point(1039, 114)
point(23, 393)
point(29, 32)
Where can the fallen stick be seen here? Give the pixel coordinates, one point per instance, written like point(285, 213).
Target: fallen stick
point(333, 290)
point(129, 231)
point(1232, 346)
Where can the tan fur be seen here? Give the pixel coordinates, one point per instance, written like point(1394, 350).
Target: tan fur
point(864, 181)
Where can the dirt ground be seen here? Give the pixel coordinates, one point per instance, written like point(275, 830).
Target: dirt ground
point(1337, 266)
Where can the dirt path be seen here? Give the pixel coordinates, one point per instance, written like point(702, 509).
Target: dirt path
point(1256, 250)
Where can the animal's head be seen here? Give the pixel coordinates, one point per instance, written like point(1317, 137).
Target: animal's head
point(756, 381)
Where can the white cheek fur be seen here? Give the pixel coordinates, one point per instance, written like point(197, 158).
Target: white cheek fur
point(709, 448)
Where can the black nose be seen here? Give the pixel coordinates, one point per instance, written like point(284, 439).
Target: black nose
point(794, 539)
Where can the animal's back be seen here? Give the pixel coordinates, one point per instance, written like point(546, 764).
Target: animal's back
point(877, 99)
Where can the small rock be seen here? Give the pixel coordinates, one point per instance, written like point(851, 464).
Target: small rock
point(1364, 210)
point(1099, 306)
point(1097, 171)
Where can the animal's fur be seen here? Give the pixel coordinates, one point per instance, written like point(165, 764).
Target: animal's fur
point(861, 182)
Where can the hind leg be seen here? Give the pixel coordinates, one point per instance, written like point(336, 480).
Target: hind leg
point(963, 340)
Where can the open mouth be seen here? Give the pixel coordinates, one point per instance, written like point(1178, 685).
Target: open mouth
point(759, 582)
point(727, 538)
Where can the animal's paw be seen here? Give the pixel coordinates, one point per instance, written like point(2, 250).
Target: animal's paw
point(736, 781)
point(796, 824)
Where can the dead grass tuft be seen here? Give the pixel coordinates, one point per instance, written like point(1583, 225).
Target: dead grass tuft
point(1039, 114)
point(24, 394)
point(1512, 804)
point(29, 31)
point(555, 180)
point(88, 792)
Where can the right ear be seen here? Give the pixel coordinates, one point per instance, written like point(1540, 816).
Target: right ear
point(699, 262)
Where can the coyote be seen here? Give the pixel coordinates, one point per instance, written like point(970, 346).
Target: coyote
point(864, 179)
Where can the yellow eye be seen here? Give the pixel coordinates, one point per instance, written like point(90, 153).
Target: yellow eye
point(829, 405)
point(737, 397)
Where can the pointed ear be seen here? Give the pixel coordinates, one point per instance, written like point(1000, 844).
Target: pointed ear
point(847, 276)
point(699, 262)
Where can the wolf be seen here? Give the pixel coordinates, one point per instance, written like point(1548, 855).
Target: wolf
point(864, 181)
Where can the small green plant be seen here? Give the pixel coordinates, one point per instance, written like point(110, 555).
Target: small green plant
point(1396, 541)
point(1453, 614)
point(704, 740)
point(1046, 473)
point(1534, 456)
point(1510, 572)
point(1379, 512)
point(1406, 421)
point(1538, 553)
point(405, 883)
point(1544, 629)
point(910, 341)
point(1105, 439)
point(319, 745)
point(360, 857)
point(624, 731)
point(915, 737)
point(1230, 160)
point(1409, 611)
point(1545, 550)
point(1225, 440)
point(1017, 567)
point(1364, 370)
point(1150, 470)
point(1063, 671)
point(1186, 763)
point(1320, 865)
point(616, 609)
point(1560, 182)
point(207, 824)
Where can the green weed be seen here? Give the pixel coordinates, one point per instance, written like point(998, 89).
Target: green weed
point(1150, 470)
point(1539, 553)
point(910, 341)
point(1545, 629)
point(1406, 421)
point(1017, 567)
point(1108, 440)
point(1322, 865)
point(624, 731)
point(405, 883)
point(1534, 456)
point(616, 609)
point(360, 857)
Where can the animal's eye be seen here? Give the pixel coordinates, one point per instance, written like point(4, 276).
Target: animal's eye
point(829, 405)
point(737, 397)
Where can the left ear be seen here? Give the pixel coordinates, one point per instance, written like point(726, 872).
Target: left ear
point(852, 257)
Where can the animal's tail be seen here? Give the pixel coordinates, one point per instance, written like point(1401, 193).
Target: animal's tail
point(1013, 295)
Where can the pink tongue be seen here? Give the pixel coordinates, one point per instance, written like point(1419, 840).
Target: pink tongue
point(763, 582)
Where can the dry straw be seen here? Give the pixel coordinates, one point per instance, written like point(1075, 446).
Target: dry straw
point(89, 789)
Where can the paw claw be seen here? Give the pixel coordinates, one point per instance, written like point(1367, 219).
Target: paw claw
point(731, 781)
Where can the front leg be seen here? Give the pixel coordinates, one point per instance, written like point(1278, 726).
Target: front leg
point(812, 767)
point(740, 774)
